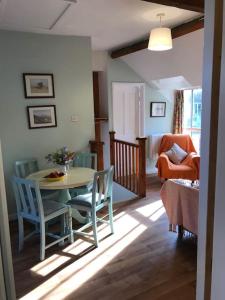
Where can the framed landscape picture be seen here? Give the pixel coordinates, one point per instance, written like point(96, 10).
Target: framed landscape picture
point(38, 85)
point(158, 109)
point(41, 116)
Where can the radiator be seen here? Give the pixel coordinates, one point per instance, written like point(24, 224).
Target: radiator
point(154, 143)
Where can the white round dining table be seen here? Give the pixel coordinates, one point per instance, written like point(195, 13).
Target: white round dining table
point(75, 177)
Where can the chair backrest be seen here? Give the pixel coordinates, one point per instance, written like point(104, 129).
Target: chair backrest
point(102, 186)
point(183, 140)
point(85, 160)
point(23, 168)
point(28, 198)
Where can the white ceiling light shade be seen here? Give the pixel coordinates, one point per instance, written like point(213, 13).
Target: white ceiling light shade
point(160, 38)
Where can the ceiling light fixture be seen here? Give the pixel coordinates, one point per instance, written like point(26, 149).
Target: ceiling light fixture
point(160, 38)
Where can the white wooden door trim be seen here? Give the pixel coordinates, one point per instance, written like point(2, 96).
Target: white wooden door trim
point(141, 116)
point(2, 280)
point(5, 239)
point(212, 188)
point(218, 259)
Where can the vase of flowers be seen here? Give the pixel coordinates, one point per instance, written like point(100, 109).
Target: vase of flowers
point(61, 158)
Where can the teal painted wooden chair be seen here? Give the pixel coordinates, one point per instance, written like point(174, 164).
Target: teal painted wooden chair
point(25, 167)
point(31, 208)
point(91, 203)
point(84, 160)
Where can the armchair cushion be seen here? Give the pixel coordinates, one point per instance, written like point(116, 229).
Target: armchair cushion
point(176, 154)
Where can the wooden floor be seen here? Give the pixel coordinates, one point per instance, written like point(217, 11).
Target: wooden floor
point(142, 260)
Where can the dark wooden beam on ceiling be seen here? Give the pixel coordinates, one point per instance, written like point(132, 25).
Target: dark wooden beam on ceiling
point(176, 32)
point(193, 5)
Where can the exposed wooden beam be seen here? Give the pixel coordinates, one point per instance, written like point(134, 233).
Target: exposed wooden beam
point(188, 27)
point(193, 5)
point(176, 32)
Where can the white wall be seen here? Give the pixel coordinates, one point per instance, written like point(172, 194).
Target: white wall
point(99, 60)
point(180, 67)
point(166, 72)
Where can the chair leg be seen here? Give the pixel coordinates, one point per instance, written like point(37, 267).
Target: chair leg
point(36, 227)
point(70, 226)
point(21, 233)
point(110, 209)
point(46, 227)
point(88, 216)
point(42, 237)
point(94, 225)
point(62, 229)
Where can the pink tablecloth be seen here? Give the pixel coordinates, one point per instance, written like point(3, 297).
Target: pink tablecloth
point(181, 204)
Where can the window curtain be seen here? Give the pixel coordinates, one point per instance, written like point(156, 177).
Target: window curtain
point(178, 112)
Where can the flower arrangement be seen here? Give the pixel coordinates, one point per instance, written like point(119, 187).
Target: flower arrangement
point(61, 157)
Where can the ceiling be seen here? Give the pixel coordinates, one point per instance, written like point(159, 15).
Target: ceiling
point(109, 23)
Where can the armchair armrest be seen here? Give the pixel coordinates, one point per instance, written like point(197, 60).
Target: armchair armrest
point(163, 163)
point(193, 160)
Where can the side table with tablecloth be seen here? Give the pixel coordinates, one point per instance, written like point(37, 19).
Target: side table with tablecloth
point(180, 199)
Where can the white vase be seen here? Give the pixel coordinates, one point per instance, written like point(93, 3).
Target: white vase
point(64, 168)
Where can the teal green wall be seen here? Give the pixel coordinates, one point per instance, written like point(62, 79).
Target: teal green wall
point(69, 59)
point(154, 124)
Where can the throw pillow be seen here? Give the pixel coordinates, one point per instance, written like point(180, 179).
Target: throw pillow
point(176, 154)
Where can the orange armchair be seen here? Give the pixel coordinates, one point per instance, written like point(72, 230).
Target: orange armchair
point(188, 168)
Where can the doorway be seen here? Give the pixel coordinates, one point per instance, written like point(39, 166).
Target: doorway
point(128, 104)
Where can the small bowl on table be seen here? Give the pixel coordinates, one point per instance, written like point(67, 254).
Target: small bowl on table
point(55, 176)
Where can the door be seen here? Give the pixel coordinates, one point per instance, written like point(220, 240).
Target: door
point(128, 110)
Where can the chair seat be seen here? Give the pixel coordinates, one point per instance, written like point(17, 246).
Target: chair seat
point(84, 200)
point(51, 206)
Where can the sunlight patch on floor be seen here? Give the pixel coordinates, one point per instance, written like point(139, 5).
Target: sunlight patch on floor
point(69, 279)
point(50, 264)
point(154, 217)
point(153, 211)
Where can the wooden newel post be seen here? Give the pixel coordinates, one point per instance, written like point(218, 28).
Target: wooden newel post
point(97, 147)
point(112, 148)
point(142, 167)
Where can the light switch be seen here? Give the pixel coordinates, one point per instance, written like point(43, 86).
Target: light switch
point(74, 118)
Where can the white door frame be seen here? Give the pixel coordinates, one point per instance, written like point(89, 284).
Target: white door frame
point(211, 241)
point(6, 268)
point(141, 103)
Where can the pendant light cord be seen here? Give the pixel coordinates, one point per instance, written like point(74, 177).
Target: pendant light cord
point(161, 15)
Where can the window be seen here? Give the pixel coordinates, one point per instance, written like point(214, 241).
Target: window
point(192, 115)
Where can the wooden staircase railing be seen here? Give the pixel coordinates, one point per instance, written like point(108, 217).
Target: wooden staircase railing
point(129, 161)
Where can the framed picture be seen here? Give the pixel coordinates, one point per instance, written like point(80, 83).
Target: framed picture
point(158, 109)
point(41, 116)
point(38, 85)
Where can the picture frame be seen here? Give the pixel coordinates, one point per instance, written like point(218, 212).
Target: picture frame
point(38, 85)
point(158, 109)
point(41, 116)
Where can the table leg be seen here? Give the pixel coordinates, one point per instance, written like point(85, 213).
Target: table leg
point(64, 197)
